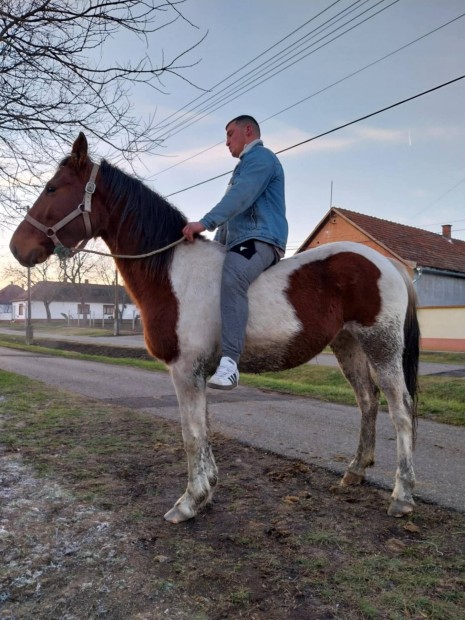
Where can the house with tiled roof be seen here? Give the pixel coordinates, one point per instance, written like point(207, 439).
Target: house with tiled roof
point(84, 302)
point(436, 263)
point(7, 295)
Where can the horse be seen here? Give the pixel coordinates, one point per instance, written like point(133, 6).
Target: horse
point(344, 295)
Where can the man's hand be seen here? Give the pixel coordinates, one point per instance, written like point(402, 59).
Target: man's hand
point(191, 229)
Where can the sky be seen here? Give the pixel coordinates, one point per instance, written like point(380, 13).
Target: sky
point(405, 165)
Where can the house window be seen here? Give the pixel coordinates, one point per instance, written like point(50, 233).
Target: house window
point(108, 309)
point(21, 310)
point(83, 309)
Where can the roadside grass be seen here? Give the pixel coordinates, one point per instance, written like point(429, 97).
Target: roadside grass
point(64, 329)
point(441, 398)
point(335, 553)
point(443, 357)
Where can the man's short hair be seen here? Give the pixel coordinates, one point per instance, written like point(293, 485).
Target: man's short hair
point(245, 119)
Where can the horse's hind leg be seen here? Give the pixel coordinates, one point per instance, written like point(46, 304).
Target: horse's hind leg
point(355, 367)
point(386, 360)
point(400, 409)
point(189, 382)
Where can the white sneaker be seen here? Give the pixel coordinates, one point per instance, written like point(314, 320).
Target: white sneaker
point(226, 376)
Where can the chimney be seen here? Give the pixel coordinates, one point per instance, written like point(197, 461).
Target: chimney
point(446, 230)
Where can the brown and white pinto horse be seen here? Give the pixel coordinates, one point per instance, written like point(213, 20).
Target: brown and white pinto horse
point(343, 294)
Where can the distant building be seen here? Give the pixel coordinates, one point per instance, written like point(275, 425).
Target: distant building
point(7, 295)
point(436, 263)
point(85, 302)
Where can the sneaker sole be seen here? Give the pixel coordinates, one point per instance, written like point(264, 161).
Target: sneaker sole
point(215, 386)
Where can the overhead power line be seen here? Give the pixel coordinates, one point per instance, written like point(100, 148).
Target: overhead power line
point(362, 118)
point(330, 131)
point(262, 68)
point(371, 64)
point(249, 63)
point(250, 81)
point(449, 221)
point(431, 204)
point(324, 89)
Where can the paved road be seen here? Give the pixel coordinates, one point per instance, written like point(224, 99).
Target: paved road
point(319, 433)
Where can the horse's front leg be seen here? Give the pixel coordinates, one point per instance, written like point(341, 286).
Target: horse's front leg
point(189, 382)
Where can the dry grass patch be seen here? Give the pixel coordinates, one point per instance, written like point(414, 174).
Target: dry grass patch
point(84, 488)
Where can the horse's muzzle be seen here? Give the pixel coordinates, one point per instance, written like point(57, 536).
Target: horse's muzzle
point(29, 259)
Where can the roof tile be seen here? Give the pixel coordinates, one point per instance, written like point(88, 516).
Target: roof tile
point(425, 248)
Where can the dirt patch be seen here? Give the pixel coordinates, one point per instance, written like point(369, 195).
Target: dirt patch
point(83, 490)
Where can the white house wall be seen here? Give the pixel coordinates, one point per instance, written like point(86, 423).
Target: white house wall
point(69, 309)
point(442, 329)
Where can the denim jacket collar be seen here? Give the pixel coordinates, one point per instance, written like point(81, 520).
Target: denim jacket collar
point(249, 146)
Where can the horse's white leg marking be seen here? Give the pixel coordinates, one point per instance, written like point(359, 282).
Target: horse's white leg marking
point(385, 353)
point(354, 365)
point(189, 382)
point(400, 404)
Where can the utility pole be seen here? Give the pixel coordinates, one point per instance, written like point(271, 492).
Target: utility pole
point(29, 329)
point(116, 323)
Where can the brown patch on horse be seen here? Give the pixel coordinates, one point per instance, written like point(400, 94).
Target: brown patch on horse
point(159, 307)
point(357, 279)
point(328, 293)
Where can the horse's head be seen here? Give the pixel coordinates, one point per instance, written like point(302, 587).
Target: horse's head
point(61, 215)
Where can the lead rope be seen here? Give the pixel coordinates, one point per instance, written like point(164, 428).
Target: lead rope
point(64, 253)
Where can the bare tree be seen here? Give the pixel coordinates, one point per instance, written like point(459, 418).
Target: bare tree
point(74, 270)
point(78, 268)
point(77, 271)
point(18, 275)
point(55, 78)
point(39, 275)
point(103, 270)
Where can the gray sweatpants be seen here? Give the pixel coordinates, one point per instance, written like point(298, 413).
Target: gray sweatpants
point(238, 274)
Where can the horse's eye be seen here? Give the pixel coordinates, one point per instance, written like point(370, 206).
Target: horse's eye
point(50, 189)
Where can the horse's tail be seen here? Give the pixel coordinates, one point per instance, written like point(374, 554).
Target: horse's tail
point(411, 352)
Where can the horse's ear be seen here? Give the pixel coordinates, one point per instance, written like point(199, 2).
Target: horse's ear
point(79, 151)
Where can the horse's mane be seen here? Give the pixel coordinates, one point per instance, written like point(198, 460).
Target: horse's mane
point(145, 216)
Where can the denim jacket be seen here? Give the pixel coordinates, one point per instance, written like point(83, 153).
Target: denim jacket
point(254, 205)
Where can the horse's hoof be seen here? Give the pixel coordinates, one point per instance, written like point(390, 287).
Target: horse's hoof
point(175, 515)
point(400, 508)
point(351, 479)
